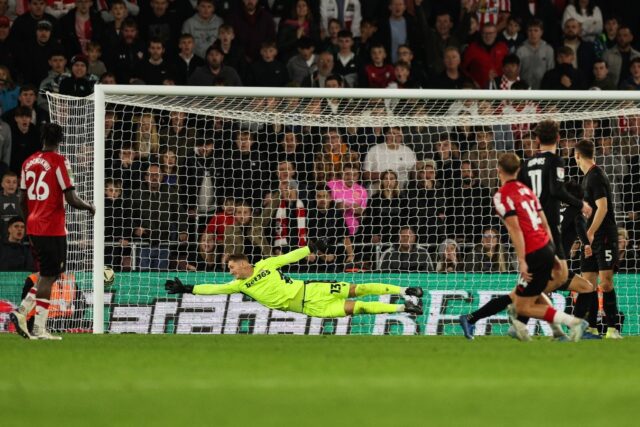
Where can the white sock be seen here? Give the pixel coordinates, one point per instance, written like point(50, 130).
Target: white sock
point(42, 312)
point(562, 318)
point(403, 291)
point(28, 302)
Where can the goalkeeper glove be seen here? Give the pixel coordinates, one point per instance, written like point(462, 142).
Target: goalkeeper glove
point(321, 245)
point(175, 286)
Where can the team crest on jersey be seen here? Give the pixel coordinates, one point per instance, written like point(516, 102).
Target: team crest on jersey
point(560, 173)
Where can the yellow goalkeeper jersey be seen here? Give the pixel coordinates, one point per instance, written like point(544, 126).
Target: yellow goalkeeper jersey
point(268, 285)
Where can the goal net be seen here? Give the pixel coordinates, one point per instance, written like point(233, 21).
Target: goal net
point(399, 181)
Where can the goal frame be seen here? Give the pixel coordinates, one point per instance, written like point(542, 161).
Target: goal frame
point(102, 91)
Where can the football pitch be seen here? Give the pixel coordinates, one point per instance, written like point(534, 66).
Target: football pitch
point(134, 380)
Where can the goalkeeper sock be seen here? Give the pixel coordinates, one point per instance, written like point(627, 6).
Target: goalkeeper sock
point(28, 302)
point(42, 312)
point(362, 307)
point(378, 289)
point(610, 306)
point(583, 304)
point(495, 306)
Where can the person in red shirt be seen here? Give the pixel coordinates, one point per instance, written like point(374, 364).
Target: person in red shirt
point(378, 73)
point(46, 183)
point(482, 60)
point(523, 217)
point(219, 221)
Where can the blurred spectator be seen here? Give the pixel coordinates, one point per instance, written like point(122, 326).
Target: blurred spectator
point(489, 256)
point(7, 50)
point(349, 15)
point(253, 24)
point(564, 76)
point(161, 22)
point(128, 54)
point(585, 50)
point(245, 235)
point(178, 134)
point(57, 68)
point(117, 230)
point(483, 59)
point(291, 150)
point(390, 155)
point(300, 24)
point(219, 222)
point(484, 158)
point(330, 42)
point(619, 57)
point(5, 147)
point(402, 79)
point(127, 168)
point(335, 154)
point(15, 255)
point(25, 138)
point(386, 210)
point(448, 259)
point(418, 73)
point(447, 160)
point(285, 216)
point(364, 42)
point(633, 81)
point(440, 37)
point(510, 75)
point(327, 222)
point(79, 27)
point(108, 78)
point(612, 161)
point(588, 15)
point(451, 77)
point(34, 53)
point(169, 166)
point(349, 196)
point(203, 26)
point(214, 72)
point(607, 39)
point(400, 28)
point(163, 229)
point(405, 256)
point(377, 73)
point(325, 69)
point(248, 172)
point(602, 79)
point(96, 66)
point(79, 83)
point(111, 33)
point(27, 98)
point(303, 64)
point(186, 62)
point(155, 69)
point(628, 257)
point(24, 26)
point(145, 136)
point(345, 60)
point(203, 257)
point(234, 55)
point(536, 55)
point(512, 35)
point(542, 11)
point(9, 202)
point(285, 172)
point(426, 203)
point(9, 92)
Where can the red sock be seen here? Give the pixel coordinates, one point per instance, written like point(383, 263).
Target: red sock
point(550, 314)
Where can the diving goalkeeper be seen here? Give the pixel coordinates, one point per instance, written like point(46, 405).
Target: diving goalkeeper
point(265, 283)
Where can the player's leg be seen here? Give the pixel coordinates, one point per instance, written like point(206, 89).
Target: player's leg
point(52, 263)
point(20, 318)
point(494, 306)
point(610, 304)
point(363, 289)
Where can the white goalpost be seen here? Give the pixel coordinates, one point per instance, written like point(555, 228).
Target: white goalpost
point(399, 180)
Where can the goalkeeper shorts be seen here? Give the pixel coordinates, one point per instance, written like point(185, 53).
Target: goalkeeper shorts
point(325, 299)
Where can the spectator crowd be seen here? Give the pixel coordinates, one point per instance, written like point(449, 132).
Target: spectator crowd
point(183, 191)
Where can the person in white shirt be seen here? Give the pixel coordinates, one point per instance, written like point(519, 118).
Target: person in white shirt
point(349, 15)
point(390, 155)
point(588, 15)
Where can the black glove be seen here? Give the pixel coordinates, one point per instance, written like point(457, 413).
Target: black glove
point(175, 286)
point(321, 245)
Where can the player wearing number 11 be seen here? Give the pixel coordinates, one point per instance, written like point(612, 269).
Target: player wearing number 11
point(46, 182)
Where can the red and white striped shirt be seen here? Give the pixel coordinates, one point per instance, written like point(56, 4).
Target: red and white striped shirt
point(489, 10)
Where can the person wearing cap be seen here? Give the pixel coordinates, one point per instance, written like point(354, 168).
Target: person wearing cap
point(215, 71)
point(33, 55)
point(79, 83)
point(15, 255)
point(304, 63)
point(24, 27)
point(80, 26)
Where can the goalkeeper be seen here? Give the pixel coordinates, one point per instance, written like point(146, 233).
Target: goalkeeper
point(265, 283)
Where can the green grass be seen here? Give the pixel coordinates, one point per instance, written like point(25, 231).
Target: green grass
point(137, 380)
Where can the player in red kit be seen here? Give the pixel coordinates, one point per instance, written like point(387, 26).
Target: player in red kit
point(522, 214)
point(45, 184)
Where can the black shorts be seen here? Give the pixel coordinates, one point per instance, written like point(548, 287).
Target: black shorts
point(557, 241)
point(540, 265)
point(51, 254)
point(605, 254)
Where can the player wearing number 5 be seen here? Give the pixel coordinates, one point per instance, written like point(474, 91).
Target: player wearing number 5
point(45, 184)
point(265, 283)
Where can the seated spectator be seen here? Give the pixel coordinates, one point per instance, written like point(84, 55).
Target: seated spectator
point(400, 28)
point(214, 71)
point(290, 149)
point(253, 24)
point(285, 172)
point(9, 202)
point(285, 216)
point(268, 70)
point(127, 168)
point(25, 138)
point(482, 60)
point(220, 221)
point(145, 135)
point(330, 41)
point(335, 154)
point(301, 23)
point(178, 135)
point(79, 83)
point(405, 255)
point(325, 69)
point(602, 79)
point(349, 18)
point(15, 254)
point(202, 181)
point(155, 69)
point(585, 51)
point(451, 77)
point(447, 160)
point(345, 60)
point(203, 26)
point(588, 15)
point(390, 155)
point(163, 22)
point(402, 78)
point(510, 75)
point(327, 222)
point(234, 55)
point(303, 64)
point(349, 196)
point(619, 57)
point(248, 172)
point(511, 35)
point(448, 258)
point(161, 231)
point(628, 257)
point(128, 53)
point(484, 158)
point(8, 90)
point(186, 61)
point(536, 55)
point(117, 229)
point(24, 26)
point(386, 210)
point(633, 81)
point(607, 39)
point(564, 76)
point(27, 98)
point(425, 204)
point(417, 68)
point(79, 27)
point(377, 73)
point(489, 256)
point(245, 235)
point(96, 66)
point(57, 68)
point(169, 165)
point(203, 257)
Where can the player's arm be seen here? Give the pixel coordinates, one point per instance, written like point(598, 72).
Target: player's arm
point(72, 199)
point(24, 203)
point(176, 286)
point(545, 224)
point(598, 217)
point(517, 238)
point(288, 258)
point(559, 191)
point(581, 229)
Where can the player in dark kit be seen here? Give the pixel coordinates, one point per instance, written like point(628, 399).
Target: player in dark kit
point(600, 255)
point(45, 184)
point(528, 228)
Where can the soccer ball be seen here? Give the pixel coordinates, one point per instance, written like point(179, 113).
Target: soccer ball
point(109, 276)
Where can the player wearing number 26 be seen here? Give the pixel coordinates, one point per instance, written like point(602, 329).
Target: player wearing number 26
point(265, 283)
point(46, 182)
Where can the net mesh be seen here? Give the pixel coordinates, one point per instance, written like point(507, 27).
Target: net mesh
point(402, 188)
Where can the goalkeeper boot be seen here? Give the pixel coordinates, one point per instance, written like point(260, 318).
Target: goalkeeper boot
point(20, 322)
point(577, 331)
point(46, 335)
point(414, 291)
point(468, 328)
point(412, 308)
point(613, 334)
